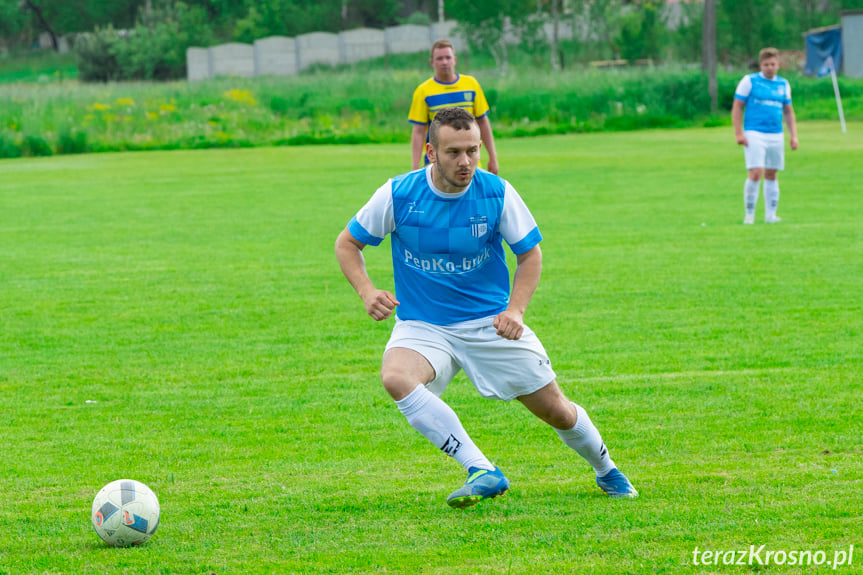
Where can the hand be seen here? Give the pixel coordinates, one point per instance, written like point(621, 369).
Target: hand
point(380, 304)
point(794, 143)
point(492, 165)
point(741, 139)
point(509, 324)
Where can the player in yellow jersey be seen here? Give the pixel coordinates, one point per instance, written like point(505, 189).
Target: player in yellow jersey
point(443, 90)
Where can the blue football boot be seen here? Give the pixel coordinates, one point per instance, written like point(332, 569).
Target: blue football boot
point(481, 484)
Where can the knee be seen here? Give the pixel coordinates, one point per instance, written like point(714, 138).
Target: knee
point(561, 415)
point(398, 383)
point(564, 417)
point(755, 175)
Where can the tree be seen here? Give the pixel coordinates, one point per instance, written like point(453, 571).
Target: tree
point(12, 19)
point(604, 19)
point(39, 16)
point(709, 51)
point(486, 23)
point(555, 31)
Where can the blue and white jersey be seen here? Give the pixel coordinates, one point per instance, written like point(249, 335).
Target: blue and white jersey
point(765, 100)
point(448, 259)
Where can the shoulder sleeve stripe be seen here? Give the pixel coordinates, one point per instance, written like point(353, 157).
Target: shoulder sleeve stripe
point(529, 242)
point(361, 235)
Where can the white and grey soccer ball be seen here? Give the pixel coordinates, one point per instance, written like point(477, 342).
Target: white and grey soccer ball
point(125, 513)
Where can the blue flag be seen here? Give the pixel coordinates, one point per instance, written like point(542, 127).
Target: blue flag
point(823, 52)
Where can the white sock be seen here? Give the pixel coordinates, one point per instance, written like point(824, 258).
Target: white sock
point(750, 196)
point(584, 438)
point(771, 197)
point(437, 422)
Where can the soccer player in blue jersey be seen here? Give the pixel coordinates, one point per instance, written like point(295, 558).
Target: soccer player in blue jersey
point(766, 98)
point(443, 90)
point(447, 223)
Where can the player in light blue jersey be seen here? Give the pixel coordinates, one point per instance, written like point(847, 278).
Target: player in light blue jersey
point(767, 99)
point(447, 223)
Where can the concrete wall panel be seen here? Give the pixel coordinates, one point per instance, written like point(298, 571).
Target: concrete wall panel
point(197, 63)
point(407, 39)
point(361, 44)
point(852, 43)
point(318, 48)
point(232, 59)
point(276, 56)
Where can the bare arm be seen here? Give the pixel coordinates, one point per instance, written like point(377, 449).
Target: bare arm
point(791, 120)
point(510, 322)
point(488, 141)
point(349, 252)
point(737, 120)
point(418, 142)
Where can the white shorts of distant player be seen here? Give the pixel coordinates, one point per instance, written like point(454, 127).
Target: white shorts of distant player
point(499, 368)
point(764, 150)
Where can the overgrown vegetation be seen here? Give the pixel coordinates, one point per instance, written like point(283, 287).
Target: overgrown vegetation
point(123, 39)
point(155, 49)
point(365, 105)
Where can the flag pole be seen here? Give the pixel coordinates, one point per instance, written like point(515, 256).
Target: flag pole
point(829, 62)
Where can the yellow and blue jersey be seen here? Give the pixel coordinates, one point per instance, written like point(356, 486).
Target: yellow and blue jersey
point(432, 96)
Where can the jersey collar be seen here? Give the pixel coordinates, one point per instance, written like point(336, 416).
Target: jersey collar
point(457, 78)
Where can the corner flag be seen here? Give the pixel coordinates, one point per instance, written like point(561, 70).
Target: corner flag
point(823, 57)
point(823, 51)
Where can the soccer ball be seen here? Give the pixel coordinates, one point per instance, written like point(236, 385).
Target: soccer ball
point(125, 512)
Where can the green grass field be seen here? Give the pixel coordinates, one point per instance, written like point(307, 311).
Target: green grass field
point(179, 318)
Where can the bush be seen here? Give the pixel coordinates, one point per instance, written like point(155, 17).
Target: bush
point(69, 142)
point(35, 146)
point(97, 60)
point(8, 146)
point(155, 49)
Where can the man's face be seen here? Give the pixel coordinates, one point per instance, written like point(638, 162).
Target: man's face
point(456, 157)
point(443, 62)
point(769, 67)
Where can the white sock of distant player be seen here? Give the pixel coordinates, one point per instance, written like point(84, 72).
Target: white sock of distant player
point(771, 197)
point(437, 422)
point(584, 438)
point(750, 196)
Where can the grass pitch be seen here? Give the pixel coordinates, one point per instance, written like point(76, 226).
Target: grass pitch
point(179, 318)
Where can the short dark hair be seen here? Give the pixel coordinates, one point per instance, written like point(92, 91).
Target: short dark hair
point(442, 44)
point(766, 53)
point(455, 118)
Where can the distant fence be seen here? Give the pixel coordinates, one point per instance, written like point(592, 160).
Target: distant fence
point(283, 56)
point(852, 43)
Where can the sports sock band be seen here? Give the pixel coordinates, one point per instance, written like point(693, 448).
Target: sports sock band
point(584, 438)
point(438, 423)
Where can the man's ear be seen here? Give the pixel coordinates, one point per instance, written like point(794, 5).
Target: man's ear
point(430, 154)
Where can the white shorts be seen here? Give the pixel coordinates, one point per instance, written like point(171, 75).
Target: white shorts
point(498, 368)
point(764, 150)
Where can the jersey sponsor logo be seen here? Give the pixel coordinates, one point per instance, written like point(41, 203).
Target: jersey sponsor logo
point(771, 103)
point(447, 264)
point(478, 226)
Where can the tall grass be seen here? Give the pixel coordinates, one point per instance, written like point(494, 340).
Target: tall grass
point(360, 106)
point(42, 66)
